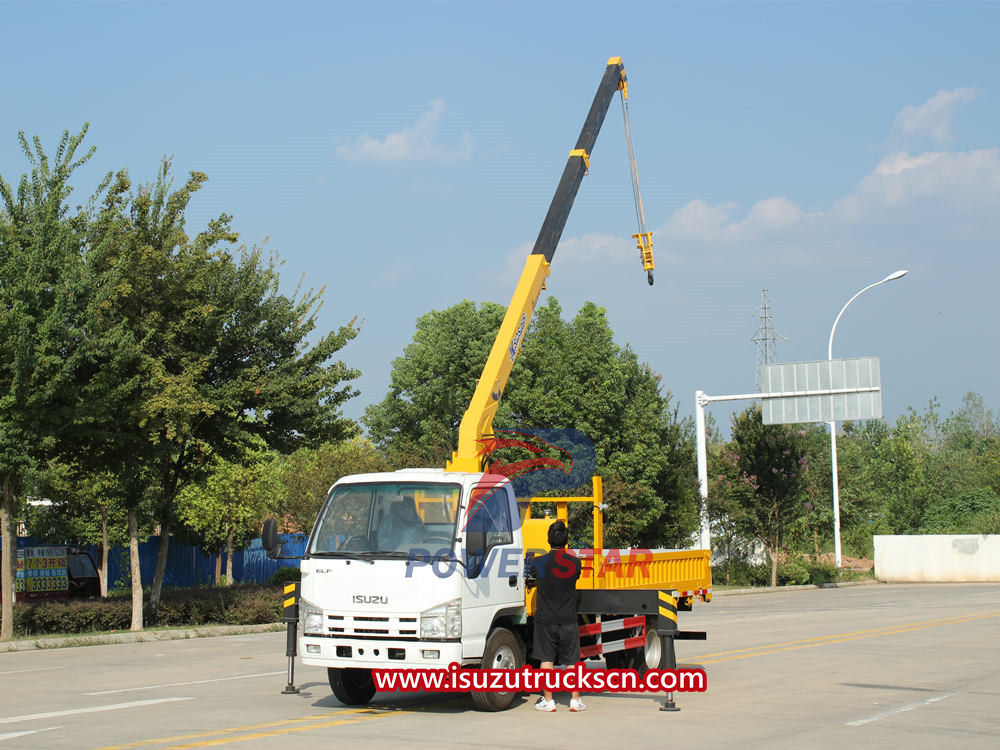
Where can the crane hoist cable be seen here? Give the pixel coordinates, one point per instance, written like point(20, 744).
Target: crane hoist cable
point(644, 239)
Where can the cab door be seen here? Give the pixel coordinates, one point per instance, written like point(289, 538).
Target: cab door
point(494, 584)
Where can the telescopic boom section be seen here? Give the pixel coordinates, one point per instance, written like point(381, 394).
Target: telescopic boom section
point(478, 419)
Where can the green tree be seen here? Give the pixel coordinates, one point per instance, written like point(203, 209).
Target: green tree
point(570, 375)
point(306, 476)
point(773, 460)
point(199, 354)
point(41, 243)
point(227, 507)
point(86, 508)
point(416, 424)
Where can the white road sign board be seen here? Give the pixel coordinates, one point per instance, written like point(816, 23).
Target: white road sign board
point(825, 391)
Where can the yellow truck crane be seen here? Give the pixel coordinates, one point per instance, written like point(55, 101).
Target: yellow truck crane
point(395, 576)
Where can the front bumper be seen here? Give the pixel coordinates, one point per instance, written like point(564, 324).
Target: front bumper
point(321, 651)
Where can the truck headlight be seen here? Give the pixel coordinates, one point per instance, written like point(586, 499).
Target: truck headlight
point(311, 618)
point(442, 621)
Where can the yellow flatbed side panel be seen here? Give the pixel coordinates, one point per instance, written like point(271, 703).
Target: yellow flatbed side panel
point(681, 570)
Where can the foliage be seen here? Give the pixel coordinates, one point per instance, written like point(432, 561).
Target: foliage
point(768, 463)
point(41, 313)
point(416, 424)
point(138, 355)
point(305, 477)
point(247, 604)
point(288, 574)
point(228, 506)
point(201, 356)
point(568, 375)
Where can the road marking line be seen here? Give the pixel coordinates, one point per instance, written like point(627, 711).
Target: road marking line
point(92, 709)
point(420, 705)
point(36, 669)
point(184, 684)
point(217, 732)
point(744, 653)
point(901, 709)
point(290, 730)
point(14, 735)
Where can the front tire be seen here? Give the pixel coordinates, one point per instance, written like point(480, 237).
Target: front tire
point(352, 687)
point(504, 650)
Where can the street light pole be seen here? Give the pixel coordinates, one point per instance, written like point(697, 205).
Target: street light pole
point(833, 424)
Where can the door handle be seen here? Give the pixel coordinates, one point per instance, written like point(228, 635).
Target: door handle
point(512, 581)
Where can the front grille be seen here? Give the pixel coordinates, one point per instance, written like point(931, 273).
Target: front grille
point(379, 626)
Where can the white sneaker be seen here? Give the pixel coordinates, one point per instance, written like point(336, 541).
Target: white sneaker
point(544, 705)
point(575, 705)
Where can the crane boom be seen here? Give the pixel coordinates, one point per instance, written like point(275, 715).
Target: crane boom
point(477, 422)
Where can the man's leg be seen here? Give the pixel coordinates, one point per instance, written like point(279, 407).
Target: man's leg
point(546, 665)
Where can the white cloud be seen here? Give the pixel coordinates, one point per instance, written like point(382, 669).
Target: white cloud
point(951, 191)
point(415, 142)
point(934, 117)
point(965, 182)
point(699, 222)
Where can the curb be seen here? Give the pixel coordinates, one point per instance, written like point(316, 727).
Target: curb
point(140, 636)
point(796, 587)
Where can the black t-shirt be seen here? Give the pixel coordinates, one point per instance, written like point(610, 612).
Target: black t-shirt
point(556, 574)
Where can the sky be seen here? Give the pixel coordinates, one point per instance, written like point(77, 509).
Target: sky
point(403, 156)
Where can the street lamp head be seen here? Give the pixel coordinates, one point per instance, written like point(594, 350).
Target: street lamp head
point(897, 275)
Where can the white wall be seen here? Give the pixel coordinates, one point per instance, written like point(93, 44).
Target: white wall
point(938, 557)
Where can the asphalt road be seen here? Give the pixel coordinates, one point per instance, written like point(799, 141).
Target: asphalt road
point(895, 666)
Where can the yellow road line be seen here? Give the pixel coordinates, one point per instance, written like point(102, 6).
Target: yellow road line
point(230, 730)
point(289, 730)
point(746, 653)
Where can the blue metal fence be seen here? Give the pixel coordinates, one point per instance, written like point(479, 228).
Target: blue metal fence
point(188, 565)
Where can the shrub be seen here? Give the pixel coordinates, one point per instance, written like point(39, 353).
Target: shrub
point(248, 604)
point(793, 572)
point(741, 573)
point(822, 572)
point(286, 575)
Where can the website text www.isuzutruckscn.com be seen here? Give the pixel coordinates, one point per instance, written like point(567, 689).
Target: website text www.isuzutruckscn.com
point(578, 678)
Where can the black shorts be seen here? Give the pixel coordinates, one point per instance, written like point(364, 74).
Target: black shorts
point(559, 644)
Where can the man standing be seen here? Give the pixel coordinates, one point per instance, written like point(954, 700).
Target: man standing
point(557, 635)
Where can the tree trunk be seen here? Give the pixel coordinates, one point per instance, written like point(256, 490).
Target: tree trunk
point(229, 557)
point(218, 567)
point(105, 552)
point(774, 565)
point(161, 567)
point(133, 548)
point(9, 564)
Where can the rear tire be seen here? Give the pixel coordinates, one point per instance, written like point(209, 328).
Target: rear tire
point(352, 687)
point(504, 650)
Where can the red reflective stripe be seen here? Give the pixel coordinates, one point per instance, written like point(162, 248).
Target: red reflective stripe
point(638, 641)
point(610, 626)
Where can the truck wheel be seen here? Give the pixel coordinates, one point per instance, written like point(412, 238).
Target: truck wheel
point(352, 687)
point(504, 650)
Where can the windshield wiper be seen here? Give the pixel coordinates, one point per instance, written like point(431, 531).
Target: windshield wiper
point(348, 555)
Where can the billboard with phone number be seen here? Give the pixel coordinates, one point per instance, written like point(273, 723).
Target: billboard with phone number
point(41, 569)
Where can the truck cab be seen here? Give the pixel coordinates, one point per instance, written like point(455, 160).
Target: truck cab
point(414, 568)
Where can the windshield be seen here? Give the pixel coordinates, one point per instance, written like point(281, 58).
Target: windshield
point(390, 517)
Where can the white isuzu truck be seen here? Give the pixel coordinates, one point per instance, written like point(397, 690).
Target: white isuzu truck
point(426, 567)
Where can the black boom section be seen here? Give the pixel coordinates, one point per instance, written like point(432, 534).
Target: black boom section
point(576, 168)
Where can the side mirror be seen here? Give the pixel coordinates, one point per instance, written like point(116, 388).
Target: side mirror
point(475, 552)
point(269, 538)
